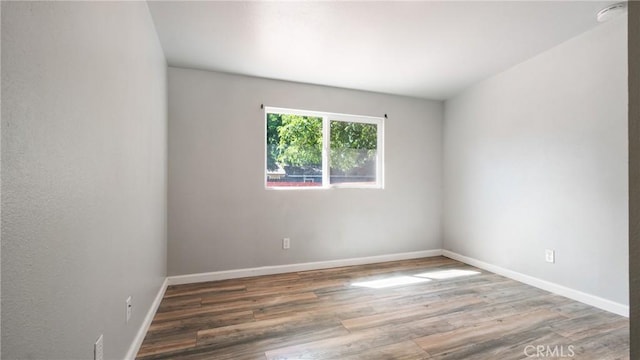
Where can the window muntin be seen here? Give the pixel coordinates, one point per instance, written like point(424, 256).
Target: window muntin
point(307, 149)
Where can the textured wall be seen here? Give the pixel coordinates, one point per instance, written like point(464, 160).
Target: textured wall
point(634, 175)
point(84, 176)
point(220, 215)
point(536, 158)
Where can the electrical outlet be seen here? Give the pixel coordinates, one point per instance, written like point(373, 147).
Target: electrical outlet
point(98, 349)
point(550, 256)
point(286, 243)
point(129, 308)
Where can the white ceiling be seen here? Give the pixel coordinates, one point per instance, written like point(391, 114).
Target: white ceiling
point(430, 49)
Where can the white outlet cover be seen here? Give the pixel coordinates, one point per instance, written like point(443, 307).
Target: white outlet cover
point(286, 243)
point(550, 256)
point(98, 349)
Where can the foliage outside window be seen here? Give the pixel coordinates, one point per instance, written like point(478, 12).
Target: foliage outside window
point(312, 149)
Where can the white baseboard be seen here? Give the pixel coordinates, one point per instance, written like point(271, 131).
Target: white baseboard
point(580, 296)
point(280, 269)
point(142, 332)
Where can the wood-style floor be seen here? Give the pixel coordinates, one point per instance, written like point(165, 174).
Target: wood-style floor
point(323, 314)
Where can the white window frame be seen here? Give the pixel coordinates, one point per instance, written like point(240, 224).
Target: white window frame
point(327, 117)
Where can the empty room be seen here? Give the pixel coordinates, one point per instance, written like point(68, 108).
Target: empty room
point(320, 180)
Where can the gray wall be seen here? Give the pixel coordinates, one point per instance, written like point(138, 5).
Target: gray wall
point(84, 176)
point(220, 215)
point(536, 158)
point(0, 196)
point(634, 175)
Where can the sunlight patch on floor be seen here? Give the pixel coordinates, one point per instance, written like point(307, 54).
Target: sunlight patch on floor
point(389, 282)
point(447, 274)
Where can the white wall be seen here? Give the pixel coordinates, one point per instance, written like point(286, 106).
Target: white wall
point(220, 215)
point(84, 176)
point(536, 158)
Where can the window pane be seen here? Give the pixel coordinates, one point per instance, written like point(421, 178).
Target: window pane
point(294, 150)
point(353, 152)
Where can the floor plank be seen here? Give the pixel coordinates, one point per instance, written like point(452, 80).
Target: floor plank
point(322, 314)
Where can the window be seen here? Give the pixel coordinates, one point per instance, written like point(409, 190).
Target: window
point(308, 149)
